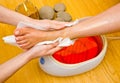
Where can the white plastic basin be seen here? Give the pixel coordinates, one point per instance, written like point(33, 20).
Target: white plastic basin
point(56, 68)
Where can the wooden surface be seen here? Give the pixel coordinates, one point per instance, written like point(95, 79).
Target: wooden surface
point(107, 72)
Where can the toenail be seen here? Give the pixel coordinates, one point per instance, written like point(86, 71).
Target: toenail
point(17, 32)
point(17, 38)
point(21, 45)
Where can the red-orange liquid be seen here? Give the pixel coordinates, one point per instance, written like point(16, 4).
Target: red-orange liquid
point(82, 50)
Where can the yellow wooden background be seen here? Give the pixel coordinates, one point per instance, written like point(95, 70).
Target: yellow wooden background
point(107, 72)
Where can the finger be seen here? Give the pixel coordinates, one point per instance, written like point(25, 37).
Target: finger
point(50, 46)
point(56, 27)
point(52, 51)
point(58, 22)
point(60, 27)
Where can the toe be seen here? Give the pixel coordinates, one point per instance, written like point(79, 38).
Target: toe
point(21, 42)
point(20, 31)
point(20, 38)
point(25, 45)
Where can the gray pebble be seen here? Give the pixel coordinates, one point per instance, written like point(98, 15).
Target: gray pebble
point(59, 7)
point(59, 19)
point(64, 15)
point(46, 12)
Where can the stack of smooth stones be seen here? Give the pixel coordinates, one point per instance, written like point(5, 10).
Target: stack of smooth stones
point(57, 13)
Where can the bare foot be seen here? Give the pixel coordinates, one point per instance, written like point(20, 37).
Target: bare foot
point(27, 37)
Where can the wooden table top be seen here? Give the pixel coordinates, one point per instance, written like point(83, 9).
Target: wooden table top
point(107, 72)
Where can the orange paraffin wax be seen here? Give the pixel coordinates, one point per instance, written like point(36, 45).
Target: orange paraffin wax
point(83, 49)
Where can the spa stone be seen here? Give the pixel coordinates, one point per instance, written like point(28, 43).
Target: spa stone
point(59, 7)
point(46, 12)
point(64, 15)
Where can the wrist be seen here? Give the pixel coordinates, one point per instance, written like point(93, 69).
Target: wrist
point(28, 20)
point(19, 17)
point(27, 56)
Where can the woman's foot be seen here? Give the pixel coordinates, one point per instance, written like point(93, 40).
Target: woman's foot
point(27, 37)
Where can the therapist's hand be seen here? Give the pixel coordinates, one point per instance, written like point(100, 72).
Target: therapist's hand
point(43, 50)
point(48, 24)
